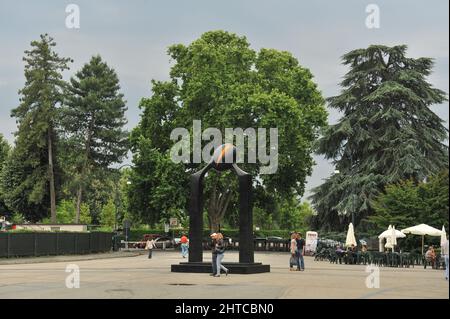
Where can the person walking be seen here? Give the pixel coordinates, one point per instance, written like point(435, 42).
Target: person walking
point(445, 254)
point(293, 259)
point(149, 245)
point(220, 251)
point(184, 246)
point(300, 252)
point(214, 254)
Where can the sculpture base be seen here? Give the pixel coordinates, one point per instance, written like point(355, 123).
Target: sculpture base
point(234, 268)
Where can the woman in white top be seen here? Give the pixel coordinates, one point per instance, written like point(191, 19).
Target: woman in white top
point(292, 260)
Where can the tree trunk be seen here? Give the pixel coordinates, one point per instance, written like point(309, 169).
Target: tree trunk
point(84, 169)
point(217, 207)
point(51, 177)
point(79, 197)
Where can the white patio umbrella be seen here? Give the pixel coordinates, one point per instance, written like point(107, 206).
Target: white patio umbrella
point(443, 236)
point(350, 236)
point(389, 243)
point(422, 229)
point(393, 237)
point(386, 233)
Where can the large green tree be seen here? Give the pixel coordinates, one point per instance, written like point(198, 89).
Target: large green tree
point(221, 81)
point(93, 121)
point(37, 138)
point(387, 132)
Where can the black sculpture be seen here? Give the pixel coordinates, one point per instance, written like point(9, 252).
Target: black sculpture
point(224, 158)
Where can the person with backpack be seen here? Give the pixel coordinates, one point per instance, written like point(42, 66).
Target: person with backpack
point(300, 252)
point(184, 246)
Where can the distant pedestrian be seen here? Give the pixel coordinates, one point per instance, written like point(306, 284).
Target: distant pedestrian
point(445, 254)
point(214, 254)
point(220, 251)
point(430, 257)
point(293, 259)
point(300, 252)
point(184, 246)
point(149, 245)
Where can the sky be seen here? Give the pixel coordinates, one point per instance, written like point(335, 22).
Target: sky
point(133, 36)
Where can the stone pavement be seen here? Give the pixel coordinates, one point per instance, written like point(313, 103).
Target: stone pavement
point(140, 277)
point(67, 258)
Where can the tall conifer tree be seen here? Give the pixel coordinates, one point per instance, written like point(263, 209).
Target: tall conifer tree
point(387, 132)
point(37, 117)
point(93, 121)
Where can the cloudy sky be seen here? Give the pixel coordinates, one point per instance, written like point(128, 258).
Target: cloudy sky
point(132, 36)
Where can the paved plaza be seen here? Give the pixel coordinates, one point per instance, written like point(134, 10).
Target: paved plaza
point(139, 277)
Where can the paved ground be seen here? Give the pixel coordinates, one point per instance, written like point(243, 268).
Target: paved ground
point(67, 258)
point(139, 277)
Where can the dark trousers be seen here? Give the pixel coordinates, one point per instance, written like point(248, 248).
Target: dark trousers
point(150, 253)
point(214, 263)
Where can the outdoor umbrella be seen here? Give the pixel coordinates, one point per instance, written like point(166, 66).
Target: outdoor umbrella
point(443, 236)
point(393, 238)
point(422, 230)
point(387, 233)
point(350, 240)
point(389, 243)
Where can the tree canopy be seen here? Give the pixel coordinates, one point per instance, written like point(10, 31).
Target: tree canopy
point(407, 203)
point(33, 174)
point(221, 81)
point(387, 132)
point(93, 119)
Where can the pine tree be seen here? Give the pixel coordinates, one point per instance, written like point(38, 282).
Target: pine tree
point(37, 117)
point(387, 132)
point(93, 119)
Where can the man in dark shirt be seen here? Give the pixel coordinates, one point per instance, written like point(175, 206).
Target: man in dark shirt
point(300, 252)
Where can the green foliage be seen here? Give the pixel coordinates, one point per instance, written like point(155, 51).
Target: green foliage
point(17, 218)
point(65, 212)
point(407, 203)
point(4, 150)
point(287, 214)
point(17, 189)
point(93, 121)
point(4, 153)
point(158, 186)
point(32, 170)
point(220, 80)
point(108, 215)
point(387, 133)
point(85, 214)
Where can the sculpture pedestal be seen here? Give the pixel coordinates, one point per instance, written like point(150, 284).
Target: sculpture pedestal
point(234, 268)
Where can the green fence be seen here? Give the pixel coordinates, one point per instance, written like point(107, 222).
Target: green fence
point(45, 244)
